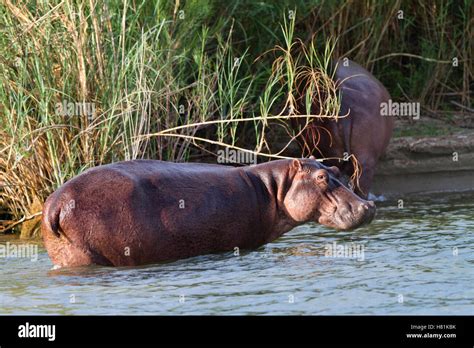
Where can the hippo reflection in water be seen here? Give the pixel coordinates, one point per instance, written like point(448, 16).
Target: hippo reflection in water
point(147, 211)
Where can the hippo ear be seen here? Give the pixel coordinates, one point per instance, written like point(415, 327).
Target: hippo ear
point(297, 164)
point(335, 171)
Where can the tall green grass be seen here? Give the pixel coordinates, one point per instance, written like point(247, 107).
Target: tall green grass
point(408, 44)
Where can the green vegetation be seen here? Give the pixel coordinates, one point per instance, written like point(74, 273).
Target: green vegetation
point(147, 70)
point(426, 128)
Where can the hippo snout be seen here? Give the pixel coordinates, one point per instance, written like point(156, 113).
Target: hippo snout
point(367, 207)
point(353, 216)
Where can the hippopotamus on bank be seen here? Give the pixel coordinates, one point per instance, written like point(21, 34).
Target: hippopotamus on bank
point(146, 211)
point(365, 133)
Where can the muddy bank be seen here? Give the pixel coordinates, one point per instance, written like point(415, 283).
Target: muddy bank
point(427, 164)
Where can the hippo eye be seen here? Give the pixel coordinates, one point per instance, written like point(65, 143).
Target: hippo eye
point(321, 178)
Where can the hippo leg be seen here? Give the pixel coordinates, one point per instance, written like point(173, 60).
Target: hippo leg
point(365, 180)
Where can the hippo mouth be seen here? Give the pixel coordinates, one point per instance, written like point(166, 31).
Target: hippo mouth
point(349, 217)
point(351, 220)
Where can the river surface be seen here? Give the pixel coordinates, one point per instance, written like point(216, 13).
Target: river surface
point(418, 259)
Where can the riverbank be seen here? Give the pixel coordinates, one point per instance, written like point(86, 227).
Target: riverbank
point(427, 163)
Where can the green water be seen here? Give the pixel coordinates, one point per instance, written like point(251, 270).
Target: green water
point(416, 260)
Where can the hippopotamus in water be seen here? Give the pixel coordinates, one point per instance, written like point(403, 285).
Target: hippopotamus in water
point(365, 133)
point(147, 211)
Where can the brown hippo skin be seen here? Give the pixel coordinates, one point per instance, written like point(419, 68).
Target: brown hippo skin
point(364, 133)
point(146, 211)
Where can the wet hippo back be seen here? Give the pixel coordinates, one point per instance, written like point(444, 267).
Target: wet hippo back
point(128, 207)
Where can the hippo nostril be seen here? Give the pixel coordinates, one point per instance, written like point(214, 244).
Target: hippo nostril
point(366, 207)
point(371, 204)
